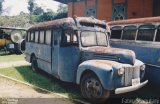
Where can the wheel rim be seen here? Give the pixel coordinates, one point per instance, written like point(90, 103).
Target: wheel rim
point(93, 88)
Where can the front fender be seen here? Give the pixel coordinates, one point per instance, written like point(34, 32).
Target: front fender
point(103, 70)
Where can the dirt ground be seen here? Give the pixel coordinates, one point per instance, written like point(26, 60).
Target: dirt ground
point(23, 94)
point(13, 64)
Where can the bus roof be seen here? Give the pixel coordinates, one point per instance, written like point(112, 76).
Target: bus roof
point(66, 22)
point(135, 21)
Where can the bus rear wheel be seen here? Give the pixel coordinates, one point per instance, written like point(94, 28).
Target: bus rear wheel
point(92, 89)
point(34, 64)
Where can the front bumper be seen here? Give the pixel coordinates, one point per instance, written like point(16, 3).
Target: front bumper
point(130, 88)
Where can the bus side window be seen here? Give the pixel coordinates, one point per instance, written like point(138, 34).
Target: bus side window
point(69, 38)
point(116, 32)
point(36, 36)
point(146, 33)
point(158, 34)
point(129, 33)
point(28, 38)
point(48, 37)
point(41, 37)
point(32, 37)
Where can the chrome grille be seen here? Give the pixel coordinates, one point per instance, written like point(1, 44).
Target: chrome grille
point(105, 57)
point(128, 76)
point(131, 73)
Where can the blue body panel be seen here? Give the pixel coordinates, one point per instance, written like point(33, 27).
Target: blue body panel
point(148, 52)
point(69, 58)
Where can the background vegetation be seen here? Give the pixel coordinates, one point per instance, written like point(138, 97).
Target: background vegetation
point(36, 14)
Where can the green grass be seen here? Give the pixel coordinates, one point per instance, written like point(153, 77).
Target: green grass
point(43, 80)
point(12, 57)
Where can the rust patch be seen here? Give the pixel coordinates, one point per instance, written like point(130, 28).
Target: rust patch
point(135, 21)
point(110, 50)
point(90, 20)
point(66, 22)
point(52, 23)
point(105, 62)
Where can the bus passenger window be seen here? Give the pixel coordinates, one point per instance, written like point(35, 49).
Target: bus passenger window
point(41, 36)
point(32, 37)
point(146, 33)
point(158, 34)
point(28, 36)
point(116, 32)
point(36, 36)
point(69, 38)
point(129, 33)
point(48, 37)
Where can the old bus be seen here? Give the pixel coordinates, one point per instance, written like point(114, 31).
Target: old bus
point(143, 37)
point(77, 50)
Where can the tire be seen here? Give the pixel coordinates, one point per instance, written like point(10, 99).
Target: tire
point(92, 89)
point(34, 65)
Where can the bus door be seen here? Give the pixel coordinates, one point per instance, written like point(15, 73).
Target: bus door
point(55, 52)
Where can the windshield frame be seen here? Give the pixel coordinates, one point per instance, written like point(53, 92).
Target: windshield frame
point(96, 39)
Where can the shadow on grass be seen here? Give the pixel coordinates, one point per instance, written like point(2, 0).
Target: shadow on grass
point(46, 81)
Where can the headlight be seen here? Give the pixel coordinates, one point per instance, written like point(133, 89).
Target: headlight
point(121, 71)
point(142, 67)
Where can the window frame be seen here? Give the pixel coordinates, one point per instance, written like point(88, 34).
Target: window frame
point(119, 28)
point(50, 36)
point(158, 28)
point(40, 37)
point(107, 38)
point(37, 36)
point(134, 29)
point(140, 26)
point(33, 36)
point(69, 43)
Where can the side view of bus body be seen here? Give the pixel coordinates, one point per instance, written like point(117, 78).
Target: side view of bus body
point(143, 37)
point(77, 50)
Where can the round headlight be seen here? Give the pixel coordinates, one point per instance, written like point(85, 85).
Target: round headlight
point(121, 71)
point(142, 67)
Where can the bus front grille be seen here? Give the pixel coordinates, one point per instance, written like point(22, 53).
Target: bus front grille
point(105, 57)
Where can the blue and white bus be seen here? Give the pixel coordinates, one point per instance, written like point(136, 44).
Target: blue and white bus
point(77, 50)
point(143, 37)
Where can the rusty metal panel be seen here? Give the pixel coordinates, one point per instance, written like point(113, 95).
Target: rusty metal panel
point(135, 21)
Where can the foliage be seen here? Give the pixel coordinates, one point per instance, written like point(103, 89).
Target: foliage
point(62, 8)
point(47, 16)
point(36, 14)
point(15, 21)
point(50, 15)
point(31, 6)
point(38, 11)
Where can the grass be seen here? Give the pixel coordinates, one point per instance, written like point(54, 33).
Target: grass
point(11, 57)
point(43, 80)
point(46, 81)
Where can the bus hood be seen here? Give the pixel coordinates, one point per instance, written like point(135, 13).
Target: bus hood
point(108, 53)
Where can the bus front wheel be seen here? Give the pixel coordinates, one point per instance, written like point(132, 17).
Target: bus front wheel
point(34, 64)
point(92, 88)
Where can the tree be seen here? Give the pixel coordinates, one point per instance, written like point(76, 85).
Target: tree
point(62, 8)
point(47, 16)
point(31, 6)
point(60, 15)
point(38, 11)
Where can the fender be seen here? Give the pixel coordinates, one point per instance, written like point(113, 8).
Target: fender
point(101, 68)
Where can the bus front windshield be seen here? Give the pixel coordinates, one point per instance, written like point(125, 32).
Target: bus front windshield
point(91, 38)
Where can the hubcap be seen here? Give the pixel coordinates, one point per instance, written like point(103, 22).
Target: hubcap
point(93, 88)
